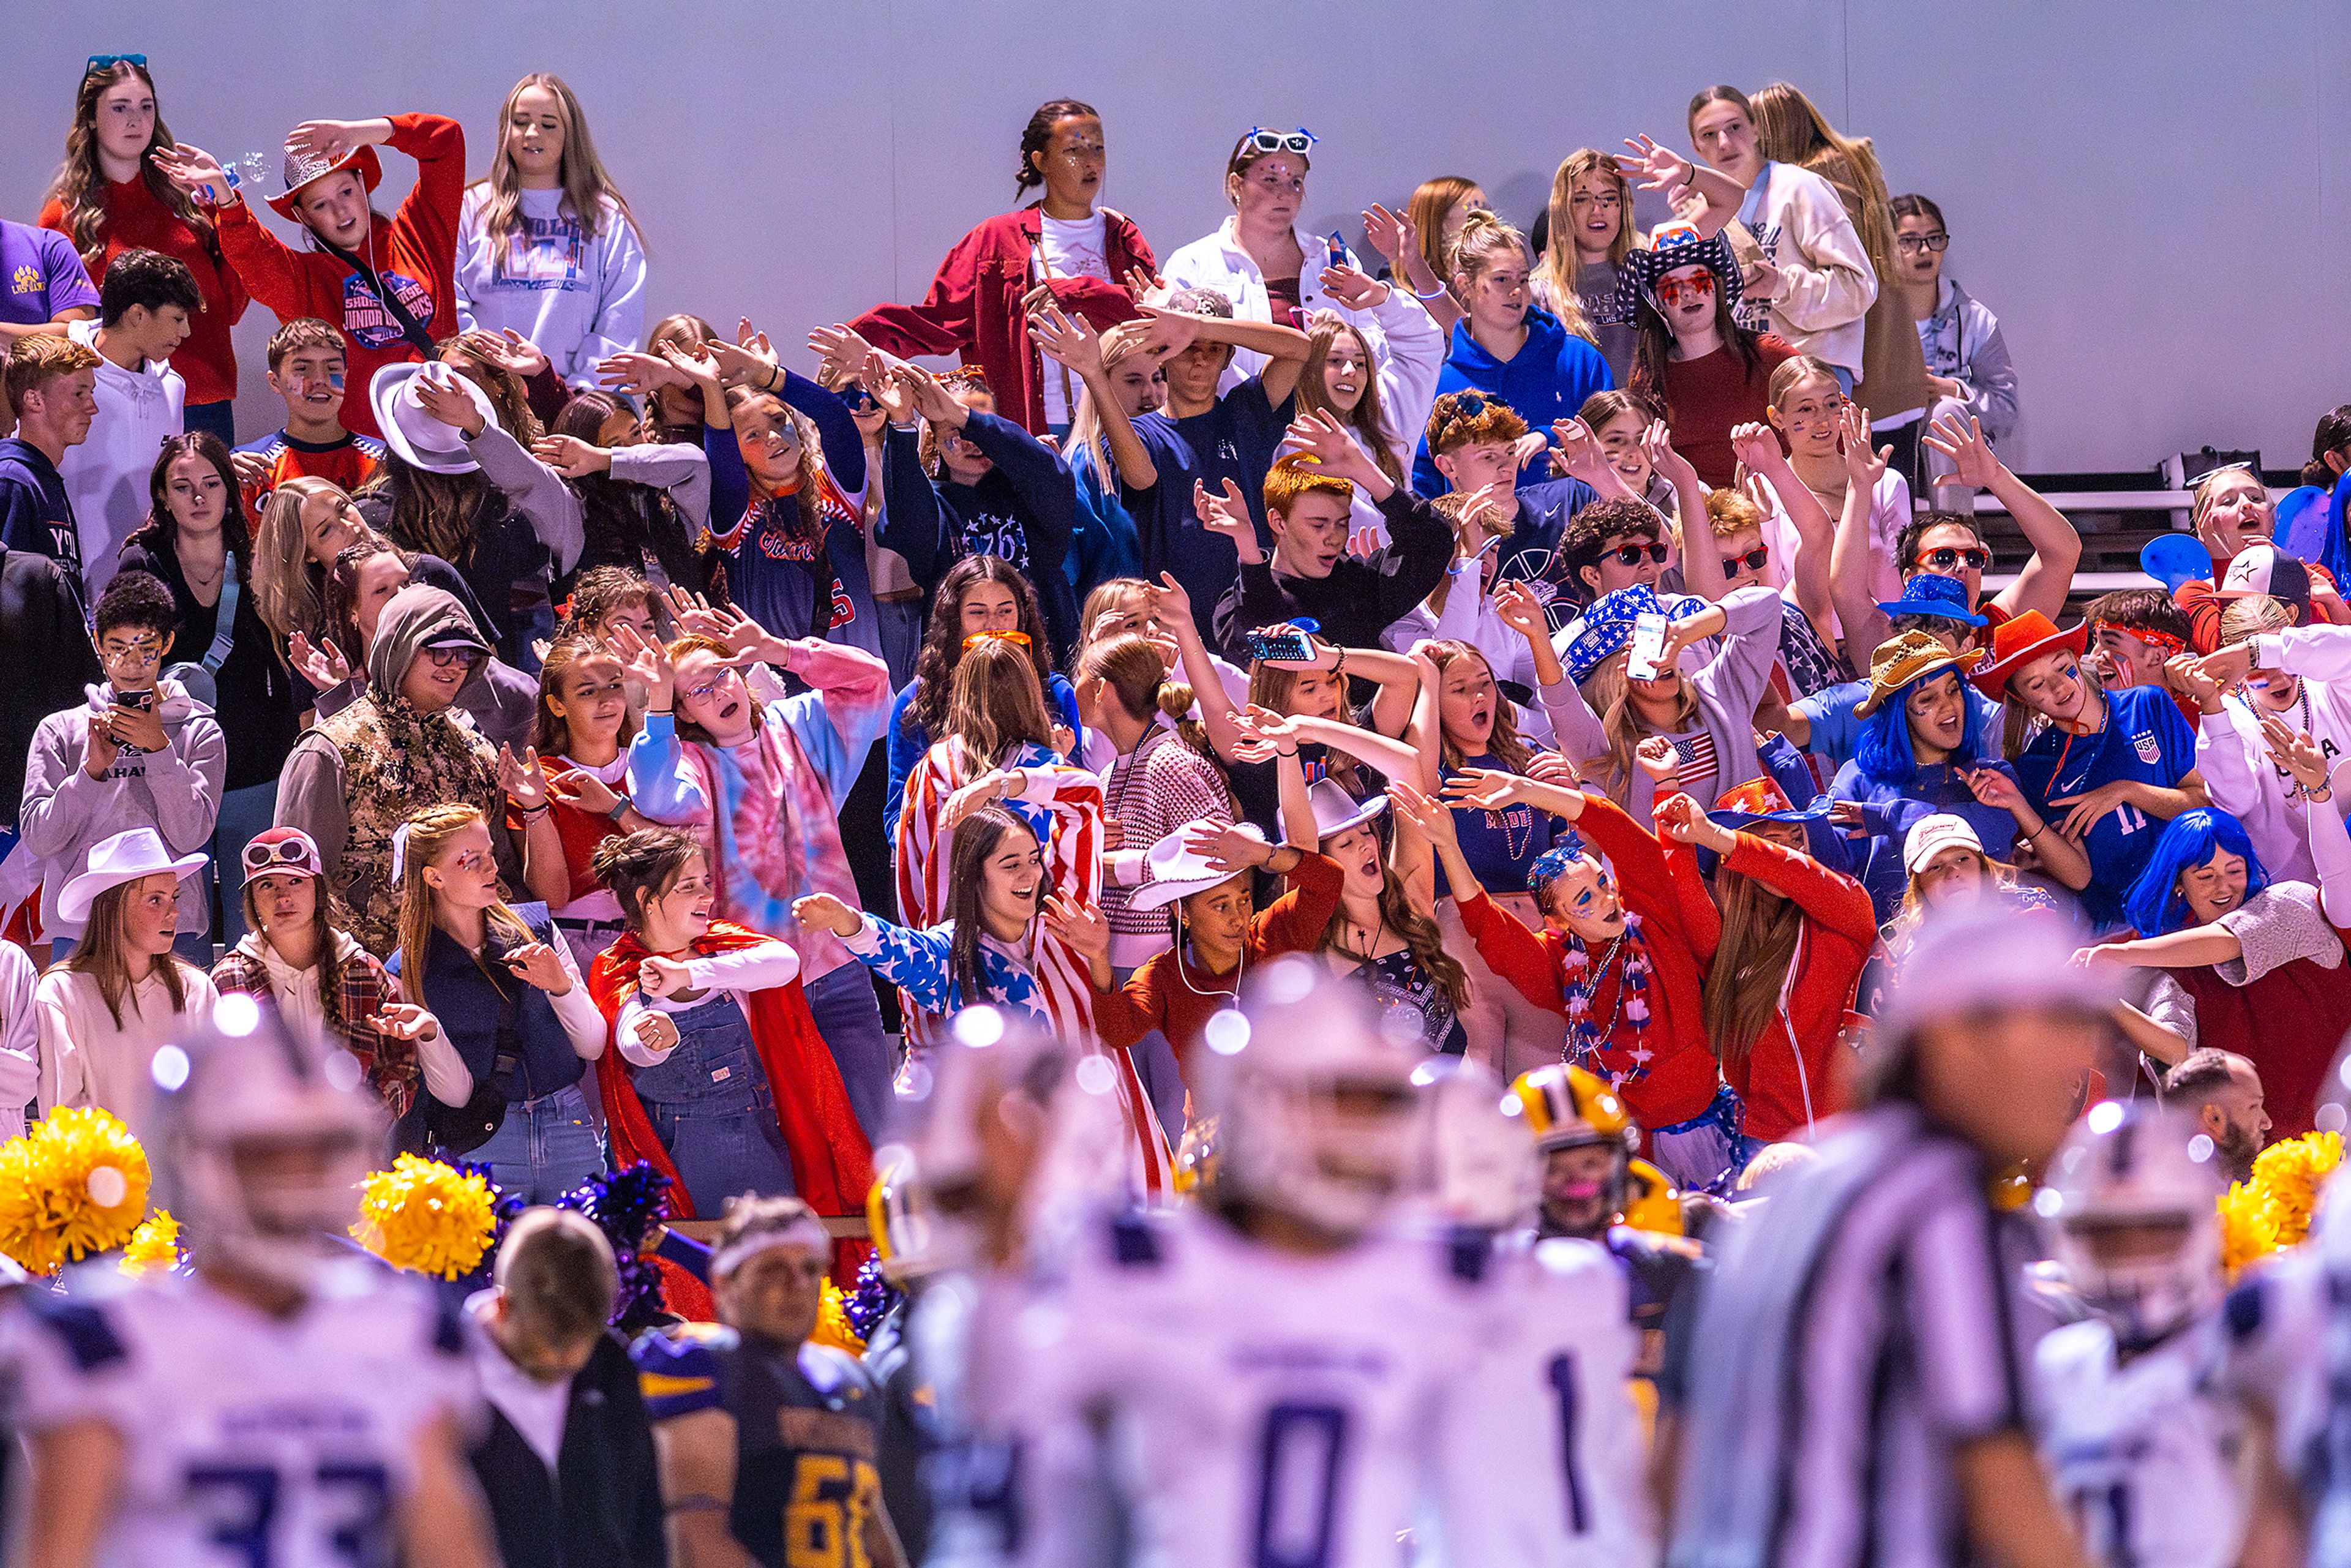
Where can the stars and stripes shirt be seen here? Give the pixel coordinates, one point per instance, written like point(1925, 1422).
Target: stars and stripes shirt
point(1870, 1323)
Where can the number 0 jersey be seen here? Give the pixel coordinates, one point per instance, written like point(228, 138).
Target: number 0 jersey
point(2144, 1456)
point(249, 1439)
point(806, 1431)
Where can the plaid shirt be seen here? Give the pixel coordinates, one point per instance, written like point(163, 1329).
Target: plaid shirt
point(388, 1064)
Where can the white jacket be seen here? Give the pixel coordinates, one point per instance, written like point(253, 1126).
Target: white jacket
point(1826, 284)
point(20, 1039)
point(106, 475)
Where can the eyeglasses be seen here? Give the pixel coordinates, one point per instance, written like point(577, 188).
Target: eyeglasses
point(443, 658)
point(1915, 242)
point(1672, 290)
point(1947, 557)
point(100, 62)
point(1265, 141)
point(1634, 555)
point(977, 638)
point(259, 856)
point(702, 694)
point(1755, 559)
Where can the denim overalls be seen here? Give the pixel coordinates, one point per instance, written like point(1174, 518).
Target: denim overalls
point(710, 1103)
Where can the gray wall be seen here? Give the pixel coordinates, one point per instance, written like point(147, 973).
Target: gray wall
point(2148, 195)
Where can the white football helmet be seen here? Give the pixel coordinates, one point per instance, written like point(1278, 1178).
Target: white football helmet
point(1482, 1165)
point(1314, 1100)
point(263, 1137)
point(2130, 1197)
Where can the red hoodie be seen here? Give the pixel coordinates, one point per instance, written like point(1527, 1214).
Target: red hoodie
point(415, 254)
point(136, 220)
point(1680, 928)
point(1782, 1075)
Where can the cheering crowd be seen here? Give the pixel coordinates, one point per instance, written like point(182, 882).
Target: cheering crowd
point(1283, 759)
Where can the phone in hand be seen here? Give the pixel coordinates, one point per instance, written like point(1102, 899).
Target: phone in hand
point(139, 701)
point(1649, 648)
point(1290, 641)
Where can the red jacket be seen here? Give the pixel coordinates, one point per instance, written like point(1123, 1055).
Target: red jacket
point(2285, 1024)
point(415, 253)
point(974, 307)
point(1680, 927)
point(135, 220)
point(1782, 1075)
point(2204, 606)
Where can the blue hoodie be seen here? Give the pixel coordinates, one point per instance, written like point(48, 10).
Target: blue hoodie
point(1546, 380)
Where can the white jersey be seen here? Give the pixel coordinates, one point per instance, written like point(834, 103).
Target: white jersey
point(2145, 1456)
point(1250, 1406)
point(247, 1439)
point(1542, 1452)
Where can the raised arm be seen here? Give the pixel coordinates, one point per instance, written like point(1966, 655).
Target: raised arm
point(1864, 625)
point(1757, 446)
point(2048, 576)
point(1072, 342)
point(1171, 608)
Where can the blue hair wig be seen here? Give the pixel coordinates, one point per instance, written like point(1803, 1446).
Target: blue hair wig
point(1884, 751)
point(2155, 904)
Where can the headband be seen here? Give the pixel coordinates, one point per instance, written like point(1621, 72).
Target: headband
point(2163, 643)
point(1567, 848)
point(807, 1231)
point(977, 638)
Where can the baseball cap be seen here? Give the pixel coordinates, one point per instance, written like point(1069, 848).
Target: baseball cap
point(1930, 836)
point(2265, 569)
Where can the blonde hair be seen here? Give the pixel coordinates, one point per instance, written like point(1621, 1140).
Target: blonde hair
point(1610, 695)
point(99, 954)
point(1481, 236)
point(1557, 267)
point(997, 701)
point(586, 183)
point(1900, 931)
point(2249, 617)
point(1790, 129)
point(1759, 932)
point(429, 833)
point(1086, 432)
point(288, 587)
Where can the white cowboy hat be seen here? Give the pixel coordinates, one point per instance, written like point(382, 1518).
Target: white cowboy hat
point(1177, 872)
point(421, 440)
point(125, 857)
point(1335, 810)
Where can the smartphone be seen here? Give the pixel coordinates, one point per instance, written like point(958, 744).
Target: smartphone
point(1290, 642)
point(1649, 648)
point(141, 702)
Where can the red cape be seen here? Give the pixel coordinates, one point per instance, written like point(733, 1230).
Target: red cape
point(833, 1163)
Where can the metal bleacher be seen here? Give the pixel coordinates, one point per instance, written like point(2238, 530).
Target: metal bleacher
point(2116, 515)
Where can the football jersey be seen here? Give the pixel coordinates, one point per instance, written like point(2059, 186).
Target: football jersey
point(1541, 1455)
point(1247, 1407)
point(249, 1438)
point(2145, 1457)
point(806, 1425)
point(2145, 741)
point(2288, 1338)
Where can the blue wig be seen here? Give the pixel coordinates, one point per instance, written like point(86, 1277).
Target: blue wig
point(2155, 904)
point(1884, 752)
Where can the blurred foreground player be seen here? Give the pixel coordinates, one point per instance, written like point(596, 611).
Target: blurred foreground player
point(1857, 1383)
point(289, 1403)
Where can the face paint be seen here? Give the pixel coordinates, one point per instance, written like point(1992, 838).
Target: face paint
point(335, 380)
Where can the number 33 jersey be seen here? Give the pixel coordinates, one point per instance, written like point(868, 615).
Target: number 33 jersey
point(250, 1439)
point(1255, 1407)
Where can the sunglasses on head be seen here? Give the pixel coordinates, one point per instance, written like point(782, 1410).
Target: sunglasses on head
point(1945, 556)
point(1264, 141)
point(977, 638)
point(1755, 559)
point(102, 62)
point(1634, 555)
point(259, 856)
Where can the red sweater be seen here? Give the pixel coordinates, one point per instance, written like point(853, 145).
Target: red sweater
point(415, 253)
point(1705, 397)
point(1680, 928)
point(1179, 1003)
point(135, 220)
point(1839, 930)
point(974, 306)
point(2285, 1024)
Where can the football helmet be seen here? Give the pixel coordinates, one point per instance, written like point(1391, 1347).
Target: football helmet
point(1651, 1203)
point(2131, 1197)
point(1314, 1100)
point(1570, 1107)
point(1482, 1168)
point(898, 1211)
point(263, 1135)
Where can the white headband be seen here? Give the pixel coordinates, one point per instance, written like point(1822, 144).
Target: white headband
point(807, 1231)
point(399, 850)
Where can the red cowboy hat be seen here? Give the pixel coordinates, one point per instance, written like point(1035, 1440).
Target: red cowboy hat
point(302, 169)
point(2017, 642)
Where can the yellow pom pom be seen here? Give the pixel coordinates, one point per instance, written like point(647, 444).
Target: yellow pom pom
point(833, 1323)
point(2289, 1174)
point(74, 1184)
point(2247, 1232)
point(428, 1217)
point(154, 1245)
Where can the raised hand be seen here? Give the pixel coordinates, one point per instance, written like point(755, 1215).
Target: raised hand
point(1961, 439)
point(1433, 818)
point(660, 977)
point(570, 456)
point(323, 665)
point(1652, 166)
point(1756, 447)
point(539, 964)
point(643, 660)
point(1167, 332)
point(1363, 543)
point(1657, 447)
point(1580, 455)
point(1319, 434)
point(931, 400)
point(1487, 788)
point(1661, 761)
point(824, 912)
point(2186, 673)
point(1227, 514)
point(1390, 233)
point(695, 362)
point(2228, 668)
point(519, 777)
point(443, 401)
point(640, 376)
point(509, 350)
point(331, 139)
point(1082, 926)
point(1520, 609)
point(842, 347)
point(583, 791)
point(1354, 288)
point(1069, 341)
point(1227, 846)
point(1864, 464)
point(2296, 752)
point(1680, 820)
point(985, 791)
point(1553, 767)
point(1145, 286)
point(1170, 606)
point(192, 169)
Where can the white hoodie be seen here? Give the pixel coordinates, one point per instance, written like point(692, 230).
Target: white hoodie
point(106, 475)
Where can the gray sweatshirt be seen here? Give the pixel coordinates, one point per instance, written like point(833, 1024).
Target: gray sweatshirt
point(176, 791)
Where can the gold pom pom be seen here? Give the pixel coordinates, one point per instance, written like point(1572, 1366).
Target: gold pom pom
point(428, 1217)
point(833, 1323)
point(74, 1184)
point(154, 1245)
point(2289, 1175)
point(2247, 1232)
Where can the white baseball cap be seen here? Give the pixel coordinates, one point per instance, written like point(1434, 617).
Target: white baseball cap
point(1930, 836)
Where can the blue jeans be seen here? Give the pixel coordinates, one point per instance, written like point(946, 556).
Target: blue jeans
point(244, 813)
point(710, 1103)
point(544, 1148)
point(850, 1019)
point(220, 418)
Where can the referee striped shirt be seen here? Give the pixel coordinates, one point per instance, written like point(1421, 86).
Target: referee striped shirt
point(1871, 1320)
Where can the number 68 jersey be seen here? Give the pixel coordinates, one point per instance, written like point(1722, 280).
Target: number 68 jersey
point(249, 1439)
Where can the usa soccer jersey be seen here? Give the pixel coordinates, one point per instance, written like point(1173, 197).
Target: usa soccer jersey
point(2145, 741)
